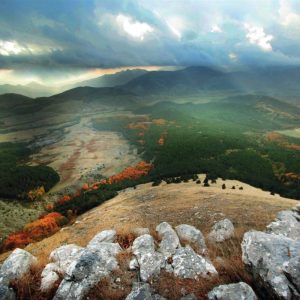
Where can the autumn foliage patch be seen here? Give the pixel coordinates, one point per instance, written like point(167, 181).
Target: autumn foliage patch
point(131, 173)
point(88, 197)
point(35, 231)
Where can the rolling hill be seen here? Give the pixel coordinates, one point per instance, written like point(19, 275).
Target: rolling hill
point(34, 89)
point(279, 82)
point(181, 82)
point(107, 96)
point(111, 80)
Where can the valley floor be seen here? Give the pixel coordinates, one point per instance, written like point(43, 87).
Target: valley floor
point(75, 150)
point(189, 203)
point(83, 151)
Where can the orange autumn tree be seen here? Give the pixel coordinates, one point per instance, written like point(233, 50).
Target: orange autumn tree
point(64, 199)
point(50, 223)
point(34, 231)
point(36, 194)
point(131, 173)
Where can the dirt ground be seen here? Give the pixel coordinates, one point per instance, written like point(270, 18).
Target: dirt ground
point(83, 150)
point(189, 203)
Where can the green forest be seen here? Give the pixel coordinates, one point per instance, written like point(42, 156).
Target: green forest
point(16, 178)
point(207, 139)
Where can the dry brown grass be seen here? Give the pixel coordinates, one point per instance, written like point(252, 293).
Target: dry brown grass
point(107, 290)
point(125, 236)
point(147, 206)
point(119, 284)
point(187, 203)
point(28, 287)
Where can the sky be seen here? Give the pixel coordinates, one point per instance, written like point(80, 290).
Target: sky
point(59, 41)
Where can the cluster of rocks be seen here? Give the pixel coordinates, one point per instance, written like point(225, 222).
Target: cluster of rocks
point(184, 262)
point(14, 268)
point(273, 257)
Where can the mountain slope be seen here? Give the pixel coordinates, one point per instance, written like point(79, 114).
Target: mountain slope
point(107, 96)
point(34, 89)
point(112, 80)
point(186, 81)
point(282, 82)
point(30, 90)
point(147, 206)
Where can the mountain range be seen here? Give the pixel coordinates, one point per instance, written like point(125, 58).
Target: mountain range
point(35, 89)
point(132, 86)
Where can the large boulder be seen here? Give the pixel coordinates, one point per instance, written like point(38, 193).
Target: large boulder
point(49, 276)
point(169, 239)
point(105, 249)
point(95, 262)
point(142, 245)
point(188, 264)
point(221, 231)
point(192, 236)
point(235, 291)
point(287, 224)
point(60, 258)
point(292, 271)
point(270, 257)
point(6, 293)
point(16, 265)
point(63, 256)
point(148, 260)
point(143, 292)
point(150, 265)
point(108, 236)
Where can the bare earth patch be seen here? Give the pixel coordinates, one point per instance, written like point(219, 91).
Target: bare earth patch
point(83, 151)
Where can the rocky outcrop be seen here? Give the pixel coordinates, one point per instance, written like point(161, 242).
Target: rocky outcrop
point(292, 271)
point(87, 270)
point(187, 264)
point(82, 268)
point(50, 275)
point(235, 291)
point(143, 291)
point(169, 239)
point(150, 265)
point(60, 258)
point(273, 256)
point(149, 261)
point(6, 293)
point(65, 255)
point(286, 224)
point(143, 245)
point(183, 262)
point(108, 236)
point(191, 235)
point(221, 231)
point(16, 265)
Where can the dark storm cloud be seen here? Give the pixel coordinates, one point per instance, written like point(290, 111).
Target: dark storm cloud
point(93, 34)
